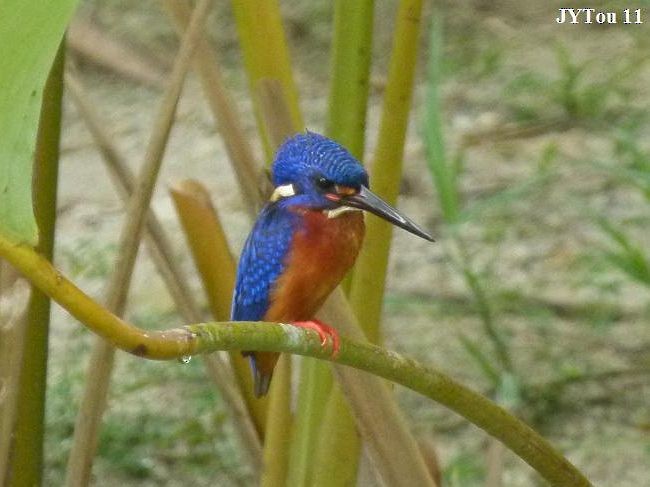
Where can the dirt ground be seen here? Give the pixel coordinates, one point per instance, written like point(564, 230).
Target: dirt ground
point(519, 118)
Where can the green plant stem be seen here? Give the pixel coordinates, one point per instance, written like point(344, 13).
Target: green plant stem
point(315, 385)
point(369, 277)
point(202, 338)
point(338, 444)
point(27, 457)
point(370, 271)
point(278, 427)
point(350, 73)
point(348, 100)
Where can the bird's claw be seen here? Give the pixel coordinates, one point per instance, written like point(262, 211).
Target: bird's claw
point(324, 332)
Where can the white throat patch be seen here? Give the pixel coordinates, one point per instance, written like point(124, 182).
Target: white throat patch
point(339, 211)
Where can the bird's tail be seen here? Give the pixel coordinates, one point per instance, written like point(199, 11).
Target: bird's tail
point(262, 365)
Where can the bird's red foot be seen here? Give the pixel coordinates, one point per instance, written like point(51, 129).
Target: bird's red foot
point(324, 332)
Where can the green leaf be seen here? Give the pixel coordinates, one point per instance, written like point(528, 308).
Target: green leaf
point(30, 33)
point(630, 258)
point(443, 170)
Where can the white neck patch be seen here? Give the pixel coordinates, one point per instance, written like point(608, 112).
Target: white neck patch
point(283, 191)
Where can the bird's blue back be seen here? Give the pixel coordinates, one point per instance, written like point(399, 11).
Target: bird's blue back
point(262, 262)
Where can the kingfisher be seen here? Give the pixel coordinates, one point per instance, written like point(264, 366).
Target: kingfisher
point(304, 240)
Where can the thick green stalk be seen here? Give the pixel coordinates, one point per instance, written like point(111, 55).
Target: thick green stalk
point(338, 444)
point(367, 287)
point(27, 456)
point(315, 385)
point(326, 425)
point(370, 272)
point(277, 441)
point(350, 73)
point(209, 337)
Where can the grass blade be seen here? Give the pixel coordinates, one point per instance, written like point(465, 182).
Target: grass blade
point(630, 259)
point(474, 351)
point(444, 173)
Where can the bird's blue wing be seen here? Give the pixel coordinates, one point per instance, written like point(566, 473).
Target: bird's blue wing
point(262, 262)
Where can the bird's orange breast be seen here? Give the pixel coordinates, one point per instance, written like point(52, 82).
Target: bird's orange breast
point(322, 251)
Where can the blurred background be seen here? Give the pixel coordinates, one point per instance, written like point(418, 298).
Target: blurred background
point(536, 292)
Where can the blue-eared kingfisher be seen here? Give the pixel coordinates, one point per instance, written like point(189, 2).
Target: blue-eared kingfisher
point(305, 240)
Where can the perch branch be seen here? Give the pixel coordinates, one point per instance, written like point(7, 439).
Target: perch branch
point(209, 337)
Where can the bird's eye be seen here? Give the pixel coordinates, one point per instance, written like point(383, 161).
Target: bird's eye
point(324, 183)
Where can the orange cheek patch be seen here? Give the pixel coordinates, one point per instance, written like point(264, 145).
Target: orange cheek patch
point(345, 190)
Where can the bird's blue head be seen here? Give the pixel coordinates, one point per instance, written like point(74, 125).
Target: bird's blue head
point(317, 168)
point(313, 172)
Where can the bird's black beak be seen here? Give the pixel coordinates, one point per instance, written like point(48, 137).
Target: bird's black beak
point(369, 201)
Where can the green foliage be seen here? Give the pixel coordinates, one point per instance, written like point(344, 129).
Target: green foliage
point(144, 438)
point(578, 90)
point(626, 255)
point(444, 171)
point(27, 54)
point(632, 167)
point(464, 470)
point(633, 161)
point(89, 258)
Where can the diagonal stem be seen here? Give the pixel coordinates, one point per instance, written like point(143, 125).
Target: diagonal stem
point(161, 251)
point(102, 356)
point(236, 142)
